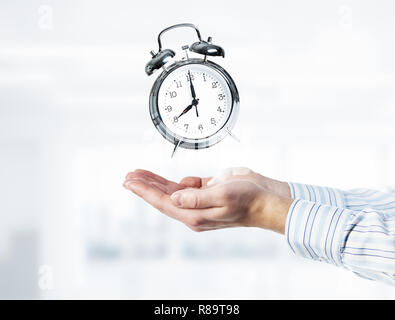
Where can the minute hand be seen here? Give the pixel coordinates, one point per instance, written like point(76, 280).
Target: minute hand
point(191, 85)
point(193, 92)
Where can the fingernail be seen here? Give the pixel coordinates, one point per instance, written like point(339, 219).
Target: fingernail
point(176, 198)
point(128, 184)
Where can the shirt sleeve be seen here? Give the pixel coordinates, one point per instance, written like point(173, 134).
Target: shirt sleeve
point(323, 195)
point(348, 229)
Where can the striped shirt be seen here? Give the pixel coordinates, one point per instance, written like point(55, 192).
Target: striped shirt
point(352, 229)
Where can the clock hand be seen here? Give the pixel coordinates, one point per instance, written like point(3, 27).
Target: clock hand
point(191, 85)
point(193, 92)
point(195, 102)
point(185, 110)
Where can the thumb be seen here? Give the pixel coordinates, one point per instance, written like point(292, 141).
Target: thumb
point(197, 198)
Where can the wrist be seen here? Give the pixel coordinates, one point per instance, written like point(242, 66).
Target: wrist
point(269, 211)
point(281, 189)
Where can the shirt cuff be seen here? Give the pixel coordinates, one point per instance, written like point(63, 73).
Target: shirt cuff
point(316, 231)
point(323, 195)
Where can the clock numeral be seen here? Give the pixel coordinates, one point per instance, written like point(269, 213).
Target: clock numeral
point(219, 109)
point(221, 96)
point(214, 84)
point(172, 94)
point(192, 77)
point(168, 108)
point(204, 77)
point(186, 125)
point(200, 127)
point(178, 83)
point(175, 119)
point(213, 121)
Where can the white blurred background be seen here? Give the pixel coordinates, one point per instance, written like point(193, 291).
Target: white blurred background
point(317, 87)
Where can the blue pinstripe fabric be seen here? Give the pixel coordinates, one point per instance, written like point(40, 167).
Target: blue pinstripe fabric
point(353, 229)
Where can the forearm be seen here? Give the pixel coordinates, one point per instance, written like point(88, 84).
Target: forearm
point(361, 241)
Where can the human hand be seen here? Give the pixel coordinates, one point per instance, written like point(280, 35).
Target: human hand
point(223, 204)
point(279, 188)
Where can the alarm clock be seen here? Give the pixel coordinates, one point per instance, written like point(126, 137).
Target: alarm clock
point(194, 102)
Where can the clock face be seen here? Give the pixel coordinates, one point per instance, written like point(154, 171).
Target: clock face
point(194, 101)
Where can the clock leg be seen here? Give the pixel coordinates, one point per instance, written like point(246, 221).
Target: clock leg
point(175, 148)
point(232, 135)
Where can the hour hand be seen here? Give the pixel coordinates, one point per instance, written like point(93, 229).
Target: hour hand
point(185, 110)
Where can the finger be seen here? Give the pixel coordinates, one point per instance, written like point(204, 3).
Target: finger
point(161, 201)
point(159, 186)
point(191, 182)
point(167, 186)
point(170, 185)
point(152, 175)
point(195, 182)
point(148, 191)
point(203, 228)
point(149, 181)
point(149, 174)
point(154, 197)
point(216, 227)
point(199, 198)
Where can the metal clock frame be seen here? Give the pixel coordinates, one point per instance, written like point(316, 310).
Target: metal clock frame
point(184, 142)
